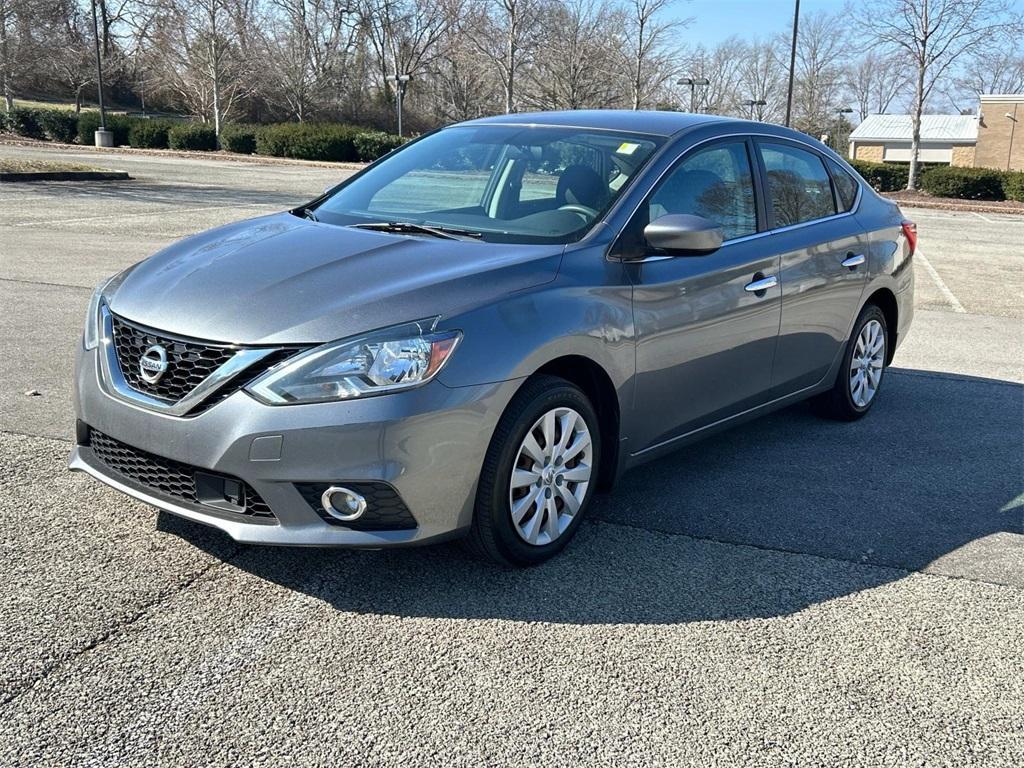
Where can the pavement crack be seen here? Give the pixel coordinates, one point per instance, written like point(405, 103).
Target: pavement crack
point(10, 697)
point(43, 282)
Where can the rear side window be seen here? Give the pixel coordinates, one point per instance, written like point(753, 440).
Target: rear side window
point(715, 183)
point(798, 185)
point(846, 186)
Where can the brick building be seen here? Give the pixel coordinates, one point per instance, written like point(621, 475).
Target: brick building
point(1001, 132)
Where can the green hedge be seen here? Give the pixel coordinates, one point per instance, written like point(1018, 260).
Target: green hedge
point(89, 122)
point(1013, 186)
point(238, 137)
point(374, 144)
point(149, 134)
point(963, 183)
point(24, 122)
point(192, 136)
point(308, 141)
point(58, 124)
point(885, 177)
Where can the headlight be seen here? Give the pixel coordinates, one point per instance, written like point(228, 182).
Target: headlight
point(91, 335)
point(385, 361)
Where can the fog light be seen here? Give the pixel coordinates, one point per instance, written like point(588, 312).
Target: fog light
point(343, 504)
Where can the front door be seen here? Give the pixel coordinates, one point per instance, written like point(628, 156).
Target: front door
point(705, 337)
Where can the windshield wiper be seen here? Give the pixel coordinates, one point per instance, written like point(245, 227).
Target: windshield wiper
point(306, 212)
point(448, 233)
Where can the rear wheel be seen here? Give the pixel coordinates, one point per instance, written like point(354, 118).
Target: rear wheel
point(860, 376)
point(538, 476)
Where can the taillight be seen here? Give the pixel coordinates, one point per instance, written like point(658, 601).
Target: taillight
point(910, 232)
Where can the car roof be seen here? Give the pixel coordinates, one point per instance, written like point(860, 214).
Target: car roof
point(649, 122)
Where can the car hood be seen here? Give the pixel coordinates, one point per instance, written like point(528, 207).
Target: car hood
point(280, 279)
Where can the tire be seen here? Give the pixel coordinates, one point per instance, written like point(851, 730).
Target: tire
point(845, 401)
point(545, 503)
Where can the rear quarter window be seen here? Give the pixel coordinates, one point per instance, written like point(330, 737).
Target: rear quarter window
point(846, 186)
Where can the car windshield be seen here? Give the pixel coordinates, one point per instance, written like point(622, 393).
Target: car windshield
point(513, 184)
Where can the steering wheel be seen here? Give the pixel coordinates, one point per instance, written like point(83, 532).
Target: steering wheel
point(587, 213)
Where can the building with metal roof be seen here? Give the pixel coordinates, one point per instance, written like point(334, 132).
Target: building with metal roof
point(944, 139)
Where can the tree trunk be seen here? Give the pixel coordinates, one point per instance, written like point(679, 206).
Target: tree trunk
point(510, 67)
point(915, 139)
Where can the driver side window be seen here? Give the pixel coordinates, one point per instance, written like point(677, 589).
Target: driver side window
point(715, 183)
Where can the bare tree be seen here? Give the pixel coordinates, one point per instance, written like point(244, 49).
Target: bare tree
point(874, 82)
point(653, 61)
point(17, 50)
point(934, 35)
point(204, 48)
point(505, 33)
point(990, 71)
point(308, 44)
point(722, 66)
point(70, 60)
point(762, 77)
point(578, 68)
point(821, 46)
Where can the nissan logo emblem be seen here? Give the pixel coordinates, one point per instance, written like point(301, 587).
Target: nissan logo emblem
point(153, 364)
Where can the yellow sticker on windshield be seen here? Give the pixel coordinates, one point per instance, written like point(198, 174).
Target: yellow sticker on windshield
point(627, 148)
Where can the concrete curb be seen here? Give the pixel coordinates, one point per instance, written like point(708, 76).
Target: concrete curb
point(65, 176)
point(956, 205)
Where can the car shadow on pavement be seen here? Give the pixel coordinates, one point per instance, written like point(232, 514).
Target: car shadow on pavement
point(154, 193)
point(930, 480)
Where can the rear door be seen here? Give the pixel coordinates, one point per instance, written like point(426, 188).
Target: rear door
point(705, 338)
point(823, 268)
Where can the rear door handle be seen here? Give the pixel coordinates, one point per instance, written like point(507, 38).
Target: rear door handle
point(854, 260)
point(762, 284)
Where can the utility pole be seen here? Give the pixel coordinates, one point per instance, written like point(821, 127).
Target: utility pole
point(102, 137)
point(792, 64)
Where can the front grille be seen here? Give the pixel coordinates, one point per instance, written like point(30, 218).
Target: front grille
point(385, 510)
point(188, 363)
point(165, 476)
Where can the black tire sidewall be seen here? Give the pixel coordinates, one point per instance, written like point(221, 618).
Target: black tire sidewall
point(521, 417)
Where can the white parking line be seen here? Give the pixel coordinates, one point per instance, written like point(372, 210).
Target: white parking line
point(983, 218)
point(940, 284)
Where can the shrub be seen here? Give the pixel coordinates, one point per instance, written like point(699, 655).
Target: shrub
point(24, 122)
point(374, 144)
point(58, 124)
point(149, 134)
point(884, 177)
point(964, 183)
point(194, 136)
point(308, 141)
point(1013, 186)
point(240, 138)
point(89, 122)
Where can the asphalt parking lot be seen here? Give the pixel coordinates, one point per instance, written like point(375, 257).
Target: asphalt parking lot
point(792, 592)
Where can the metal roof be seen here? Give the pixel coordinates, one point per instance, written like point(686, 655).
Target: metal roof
point(957, 128)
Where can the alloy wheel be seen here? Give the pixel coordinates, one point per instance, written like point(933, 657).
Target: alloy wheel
point(867, 363)
point(550, 476)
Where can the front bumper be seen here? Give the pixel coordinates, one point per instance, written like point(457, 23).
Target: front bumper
point(426, 443)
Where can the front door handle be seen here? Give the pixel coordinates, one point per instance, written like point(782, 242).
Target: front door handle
point(761, 284)
point(854, 260)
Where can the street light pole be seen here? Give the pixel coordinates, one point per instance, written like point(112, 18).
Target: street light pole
point(754, 103)
point(103, 137)
point(693, 82)
point(401, 82)
point(792, 64)
point(840, 111)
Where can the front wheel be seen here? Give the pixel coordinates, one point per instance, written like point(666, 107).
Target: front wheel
point(538, 476)
point(860, 376)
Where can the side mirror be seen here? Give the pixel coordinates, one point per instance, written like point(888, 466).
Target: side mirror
point(684, 234)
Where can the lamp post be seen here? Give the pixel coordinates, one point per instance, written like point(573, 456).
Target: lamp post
point(751, 103)
point(840, 111)
point(792, 64)
point(401, 83)
point(693, 82)
point(102, 137)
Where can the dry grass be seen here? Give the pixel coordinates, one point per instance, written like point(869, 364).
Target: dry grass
point(11, 165)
